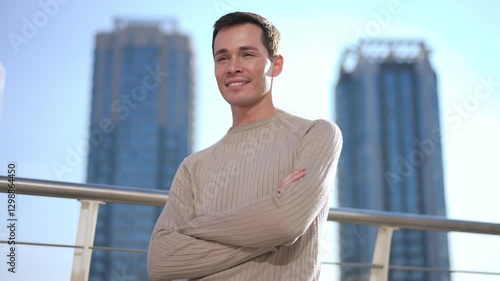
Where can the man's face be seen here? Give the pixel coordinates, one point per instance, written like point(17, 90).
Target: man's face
point(243, 69)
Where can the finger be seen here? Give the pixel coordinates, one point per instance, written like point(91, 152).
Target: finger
point(289, 178)
point(297, 176)
point(293, 177)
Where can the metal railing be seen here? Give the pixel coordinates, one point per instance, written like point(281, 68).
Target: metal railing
point(91, 196)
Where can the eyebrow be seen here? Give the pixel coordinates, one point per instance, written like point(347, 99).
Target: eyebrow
point(242, 48)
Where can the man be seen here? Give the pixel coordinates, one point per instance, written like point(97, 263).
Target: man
point(252, 206)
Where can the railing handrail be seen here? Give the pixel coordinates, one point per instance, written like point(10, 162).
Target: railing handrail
point(97, 192)
point(410, 221)
point(151, 197)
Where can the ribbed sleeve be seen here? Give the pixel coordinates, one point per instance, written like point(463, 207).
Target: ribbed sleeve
point(173, 255)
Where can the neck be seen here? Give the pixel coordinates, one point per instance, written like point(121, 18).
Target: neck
point(243, 115)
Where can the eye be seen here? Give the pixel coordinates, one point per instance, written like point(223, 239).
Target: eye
point(221, 58)
point(248, 54)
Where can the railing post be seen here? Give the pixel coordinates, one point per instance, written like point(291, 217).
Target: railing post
point(382, 253)
point(85, 239)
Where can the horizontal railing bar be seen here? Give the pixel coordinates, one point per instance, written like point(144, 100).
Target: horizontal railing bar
point(119, 249)
point(410, 221)
point(158, 198)
point(77, 247)
point(43, 244)
point(418, 268)
point(475, 272)
point(94, 192)
point(342, 264)
point(437, 269)
point(353, 264)
point(409, 268)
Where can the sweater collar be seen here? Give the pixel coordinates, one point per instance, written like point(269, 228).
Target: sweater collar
point(255, 124)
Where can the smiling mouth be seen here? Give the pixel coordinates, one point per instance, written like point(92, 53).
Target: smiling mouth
point(236, 84)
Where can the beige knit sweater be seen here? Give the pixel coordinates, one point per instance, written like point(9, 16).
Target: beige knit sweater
point(225, 218)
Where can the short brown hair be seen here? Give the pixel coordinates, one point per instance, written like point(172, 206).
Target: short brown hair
point(270, 35)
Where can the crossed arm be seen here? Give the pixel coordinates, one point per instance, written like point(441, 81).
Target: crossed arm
point(283, 216)
point(173, 255)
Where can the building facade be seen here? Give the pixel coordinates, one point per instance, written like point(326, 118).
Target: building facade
point(386, 104)
point(141, 128)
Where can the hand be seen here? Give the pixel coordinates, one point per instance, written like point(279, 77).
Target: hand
point(294, 176)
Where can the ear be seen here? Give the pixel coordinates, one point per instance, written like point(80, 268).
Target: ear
point(277, 65)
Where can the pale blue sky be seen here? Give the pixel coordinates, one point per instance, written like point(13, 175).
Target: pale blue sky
point(45, 105)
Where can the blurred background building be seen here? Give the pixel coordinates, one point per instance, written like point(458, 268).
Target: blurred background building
point(141, 129)
point(386, 104)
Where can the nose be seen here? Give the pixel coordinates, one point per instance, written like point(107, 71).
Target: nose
point(234, 66)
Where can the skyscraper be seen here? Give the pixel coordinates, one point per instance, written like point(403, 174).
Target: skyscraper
point(141, 128)
point(386, 104)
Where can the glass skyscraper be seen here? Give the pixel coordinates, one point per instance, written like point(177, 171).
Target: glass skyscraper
point(141, 128)
point(386, 104)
